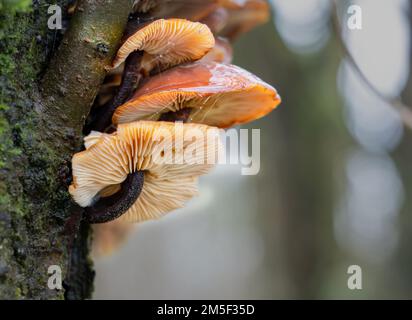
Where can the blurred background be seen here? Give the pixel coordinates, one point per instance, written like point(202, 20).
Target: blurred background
point(334, 180)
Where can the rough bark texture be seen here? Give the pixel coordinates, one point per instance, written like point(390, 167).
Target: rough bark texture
point(40, 128)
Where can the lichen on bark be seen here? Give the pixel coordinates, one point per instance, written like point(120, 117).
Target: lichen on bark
point(39, 130)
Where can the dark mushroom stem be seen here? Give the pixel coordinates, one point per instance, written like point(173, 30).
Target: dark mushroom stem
point(130, 80)
point(132, 75)
point(180, 115)
point(109, 208)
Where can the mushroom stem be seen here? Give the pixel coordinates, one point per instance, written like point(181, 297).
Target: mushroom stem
point(130, 80)
point(180, 115)
point(136, 22)
point(109, 208)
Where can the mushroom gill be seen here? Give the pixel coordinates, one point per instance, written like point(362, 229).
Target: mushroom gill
point(157, 45)
point(167, 42)
point(141, 151)
point(217, 94)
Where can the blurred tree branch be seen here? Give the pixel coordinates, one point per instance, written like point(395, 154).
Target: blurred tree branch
point(407, 91)
point(396, 103)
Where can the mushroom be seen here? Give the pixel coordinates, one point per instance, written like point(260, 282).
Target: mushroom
point(216, 20)
point(133, 174)
point(215, 94)
point(166, 43)
point(233, 4)
point(161, 44)
point(244, 15)
point(107, 237)
point(222, 52)
point(193, 10)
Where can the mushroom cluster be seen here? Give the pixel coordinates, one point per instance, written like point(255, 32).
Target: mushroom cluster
point(173, 67)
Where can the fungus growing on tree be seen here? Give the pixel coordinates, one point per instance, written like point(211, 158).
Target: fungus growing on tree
point(128, 175)
point(216, 20)
point(135, 173)
point(215, 94)
point(193, 10)
point(222, 52)
point(167, 42)
point(244, 16)
point(157, 45)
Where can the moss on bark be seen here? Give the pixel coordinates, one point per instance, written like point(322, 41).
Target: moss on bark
point(34, 165)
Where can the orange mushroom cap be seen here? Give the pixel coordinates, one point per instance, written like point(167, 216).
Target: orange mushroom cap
point(233, 4)
point(188, 9)
point(222, 52)
point(143, 146)
point(245, 16)
point(167, 42)
point(221, 95)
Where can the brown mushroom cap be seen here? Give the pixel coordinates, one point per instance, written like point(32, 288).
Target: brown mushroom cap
point(245, 16)
point(167, 42)
point(221, 95)
point(140, 146)
point(222, 52)
point(193, 10)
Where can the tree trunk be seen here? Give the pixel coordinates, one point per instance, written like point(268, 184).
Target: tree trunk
point(43, 104)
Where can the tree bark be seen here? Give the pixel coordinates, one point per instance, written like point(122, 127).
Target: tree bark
point(43, 105)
